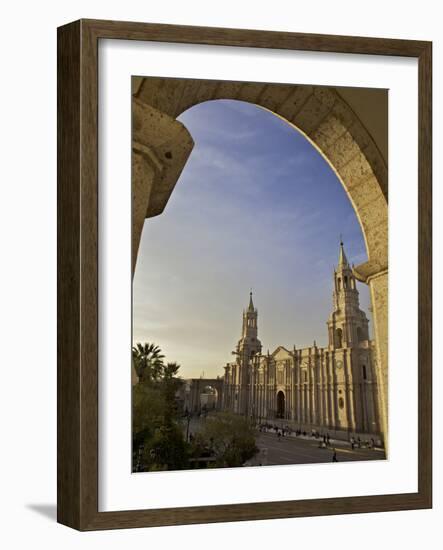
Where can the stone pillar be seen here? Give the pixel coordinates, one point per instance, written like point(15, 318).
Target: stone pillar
point(262, 404)
point(318, 384)
point(302, 402)
point(160, 148)
point(376, 276)
point(366, 407)
point(143, 176)
point(379, 293)
point(333, 394)
point(349, 390)
point(312, 391)
point(375, 419)
point(298, 405)
point(325, 390)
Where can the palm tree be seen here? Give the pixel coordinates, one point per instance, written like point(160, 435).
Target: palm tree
point(148, 361)
point(170, 370)
point(170, 383)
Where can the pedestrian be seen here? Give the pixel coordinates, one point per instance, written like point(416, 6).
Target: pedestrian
point(352, 442)
point(334, 456)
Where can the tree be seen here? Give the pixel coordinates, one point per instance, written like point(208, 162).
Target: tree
point(170, 370)
point(170, 384)
point(158, 439)
point(167, 450)
point(148, 409)
point(230, 437)
point(148, 361)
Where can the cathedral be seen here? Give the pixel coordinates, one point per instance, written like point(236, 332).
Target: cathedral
point(311, 388)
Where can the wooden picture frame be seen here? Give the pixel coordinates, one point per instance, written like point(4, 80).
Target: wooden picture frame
point(77, 480)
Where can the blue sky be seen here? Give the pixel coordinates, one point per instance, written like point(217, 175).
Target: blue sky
point(256, 206)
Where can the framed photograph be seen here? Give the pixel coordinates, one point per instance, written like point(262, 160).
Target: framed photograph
point(244, 275)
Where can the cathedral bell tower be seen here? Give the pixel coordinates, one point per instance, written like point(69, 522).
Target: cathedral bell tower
point(248, 346)
point(347, 324)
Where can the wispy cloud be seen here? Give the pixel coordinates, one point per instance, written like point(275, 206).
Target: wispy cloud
point(256, 205)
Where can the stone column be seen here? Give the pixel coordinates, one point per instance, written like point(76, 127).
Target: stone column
point(320, 413)
point(143, 177)
point(379, 293)
point(349, 389)
point(375, 419)
point(332, 394)
point(325, 391)
point(366, 411)
point(375, 274)
point(302, 402)
point(262, 404)
point(312, 390)
point(161, 146)
point(298, 404)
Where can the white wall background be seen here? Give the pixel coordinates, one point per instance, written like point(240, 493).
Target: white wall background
point(28, 270)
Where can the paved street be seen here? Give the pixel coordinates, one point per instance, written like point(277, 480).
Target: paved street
point(299, 450)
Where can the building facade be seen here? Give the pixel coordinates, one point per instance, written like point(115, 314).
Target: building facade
point(332, 387)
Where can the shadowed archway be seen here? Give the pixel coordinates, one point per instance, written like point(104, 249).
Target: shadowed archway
point(280, 404)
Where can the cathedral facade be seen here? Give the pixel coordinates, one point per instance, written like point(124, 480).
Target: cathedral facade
point(332, 387)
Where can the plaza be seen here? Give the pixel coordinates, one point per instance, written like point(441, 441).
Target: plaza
point(274, 450)
point(291, 447)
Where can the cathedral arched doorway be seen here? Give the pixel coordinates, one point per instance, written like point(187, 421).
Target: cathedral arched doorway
point(280, 404)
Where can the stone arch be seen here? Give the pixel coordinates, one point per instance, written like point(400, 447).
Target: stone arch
point(161, 146)
point(199, 386)
point(318, 112)
point(209, 398)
